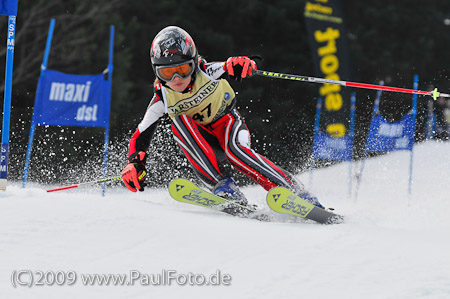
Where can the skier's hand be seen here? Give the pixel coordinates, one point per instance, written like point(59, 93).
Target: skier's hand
point(239, 67)
point(133, 175)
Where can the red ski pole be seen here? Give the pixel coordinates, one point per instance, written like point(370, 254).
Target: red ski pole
point(434, 94)
point(85, 183)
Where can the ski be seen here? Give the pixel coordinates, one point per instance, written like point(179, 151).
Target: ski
point(284, 201)
point(185, 191)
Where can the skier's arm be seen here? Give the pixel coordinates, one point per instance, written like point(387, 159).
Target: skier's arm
point(236, 68)
point(134, 173)
point(140, 141)
point(214, 69)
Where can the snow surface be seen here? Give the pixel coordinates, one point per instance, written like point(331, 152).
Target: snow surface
point(391, 246)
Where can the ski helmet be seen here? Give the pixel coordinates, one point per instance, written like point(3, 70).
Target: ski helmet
point(172, 45)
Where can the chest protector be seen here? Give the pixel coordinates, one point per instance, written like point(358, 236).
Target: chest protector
point(206, 102)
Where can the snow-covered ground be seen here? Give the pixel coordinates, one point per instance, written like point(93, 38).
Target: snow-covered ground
point(391, 246)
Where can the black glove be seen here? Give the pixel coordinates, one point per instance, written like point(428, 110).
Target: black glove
point(239, 68)
point(133, 175)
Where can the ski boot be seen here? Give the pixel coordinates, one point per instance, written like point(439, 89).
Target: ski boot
point(228, 189)
point(299, 189)
point(311, 198)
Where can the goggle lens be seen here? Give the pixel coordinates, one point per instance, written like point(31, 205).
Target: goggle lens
point(168, 73)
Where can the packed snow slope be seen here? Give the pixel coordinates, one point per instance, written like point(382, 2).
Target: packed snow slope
point(390, 246)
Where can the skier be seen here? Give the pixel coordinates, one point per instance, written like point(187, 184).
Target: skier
point(205, 121)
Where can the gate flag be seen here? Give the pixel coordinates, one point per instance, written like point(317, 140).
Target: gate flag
point(8, 7)
point(387, 136)
point(326, 147)
point(329, 148)
point(72, 100)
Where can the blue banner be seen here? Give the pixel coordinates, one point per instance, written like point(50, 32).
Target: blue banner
point(72, 100)
point(325, 26)
point(387, 136)
point(8, 7)
point(331, 148)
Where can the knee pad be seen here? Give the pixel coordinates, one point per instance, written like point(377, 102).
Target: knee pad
point(243, 138)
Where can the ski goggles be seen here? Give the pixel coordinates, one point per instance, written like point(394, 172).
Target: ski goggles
point(182, 70)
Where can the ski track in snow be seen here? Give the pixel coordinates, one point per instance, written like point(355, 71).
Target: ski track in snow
point(390, 246)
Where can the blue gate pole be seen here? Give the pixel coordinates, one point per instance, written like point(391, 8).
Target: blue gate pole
point(110, 71)
point(7, 102)
point(33, 123)
point(105, 158)
point(414, 115)
point(316, 131)
point(374, 112)
point(352, 134)
point(431, 120)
